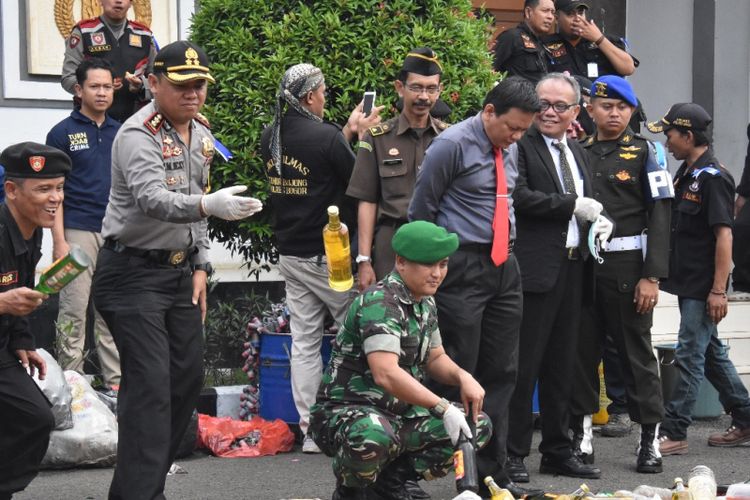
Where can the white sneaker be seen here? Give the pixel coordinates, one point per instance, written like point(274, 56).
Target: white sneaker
point(309, 446)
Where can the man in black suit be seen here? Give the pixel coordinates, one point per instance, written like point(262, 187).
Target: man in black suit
point(554, 214)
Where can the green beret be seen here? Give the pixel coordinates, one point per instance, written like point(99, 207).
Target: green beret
point(424, 242)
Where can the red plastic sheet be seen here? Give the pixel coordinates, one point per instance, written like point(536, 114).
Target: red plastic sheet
point(235, 438)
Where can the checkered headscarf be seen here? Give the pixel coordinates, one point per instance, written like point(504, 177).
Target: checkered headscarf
point(296, 83)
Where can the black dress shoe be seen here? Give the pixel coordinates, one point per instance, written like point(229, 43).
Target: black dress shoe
point(571, 467)
point(346, 493)
point(520, 491)
point(516, 469)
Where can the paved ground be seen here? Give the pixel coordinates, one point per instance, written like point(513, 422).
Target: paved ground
point(294, 475)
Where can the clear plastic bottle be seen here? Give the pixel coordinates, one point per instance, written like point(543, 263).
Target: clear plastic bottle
point(702, 483)
point(338, 253)
point(652, 491)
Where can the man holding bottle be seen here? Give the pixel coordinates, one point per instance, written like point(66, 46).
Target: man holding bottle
point(35, 175)
point(373, 414)
point(308, 163)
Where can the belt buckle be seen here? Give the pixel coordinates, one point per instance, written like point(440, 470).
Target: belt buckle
point(176, 257)
point(572, 253)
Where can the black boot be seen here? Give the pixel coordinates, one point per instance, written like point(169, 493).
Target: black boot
point(348, 493)
point(576, 426)
point(391, 482)
point(649, 459)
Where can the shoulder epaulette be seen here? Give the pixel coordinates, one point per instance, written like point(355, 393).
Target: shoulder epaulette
point(440, 124)
point(140, 26)
point(379, 130)
point(154, 122)
point(203, 120)
point(89, 23)
point(711, 170)
point(589, 141)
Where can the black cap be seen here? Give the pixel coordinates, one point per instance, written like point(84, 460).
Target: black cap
point(686, 115)
point(30, 160)
point(183, 61)
point(568, 6)
point(584, 83)
point(422, 61)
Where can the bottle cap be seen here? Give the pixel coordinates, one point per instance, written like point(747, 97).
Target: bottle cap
point(333, 210)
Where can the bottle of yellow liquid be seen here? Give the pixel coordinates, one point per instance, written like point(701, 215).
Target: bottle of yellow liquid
point(338, 253)
point(63, 271)
point(496, 491)
point(601, 417)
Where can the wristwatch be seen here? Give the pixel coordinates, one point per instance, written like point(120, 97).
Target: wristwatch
point(362, 258)
point(440, 408)
point(653, 280)
point(204, 267)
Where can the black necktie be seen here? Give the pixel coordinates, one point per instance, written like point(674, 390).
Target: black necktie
point(569, 185)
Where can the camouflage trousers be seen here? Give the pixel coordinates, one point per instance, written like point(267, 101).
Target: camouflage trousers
point(363, 440)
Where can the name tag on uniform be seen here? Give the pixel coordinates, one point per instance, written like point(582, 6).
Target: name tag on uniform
point(593, 70)
point(135, 40)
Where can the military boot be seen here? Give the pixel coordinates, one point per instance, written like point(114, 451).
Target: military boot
point(348, 493)
point(582, 438)
point(649, 457)
point(391, 482)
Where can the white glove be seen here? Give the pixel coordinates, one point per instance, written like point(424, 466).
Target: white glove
point(225, 205)
point(602, 229)
point(455, 422)
point(587, 209)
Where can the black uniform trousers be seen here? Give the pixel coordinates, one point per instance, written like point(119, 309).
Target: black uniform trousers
point(613, 313)
point(479, 314)
point(741, 250)
point(148, 308)
point(25, 424)
point(547, 350)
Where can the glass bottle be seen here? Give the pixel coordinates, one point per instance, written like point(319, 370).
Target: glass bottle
point(338, 253)
point(63, 271)
point(465, 465)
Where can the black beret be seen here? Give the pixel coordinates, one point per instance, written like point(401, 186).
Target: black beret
point(30, 160)
point(183, 61)
point(422, 61)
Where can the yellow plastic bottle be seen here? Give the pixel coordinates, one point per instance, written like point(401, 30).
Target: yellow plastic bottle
point(601, 417)
point(338, 253)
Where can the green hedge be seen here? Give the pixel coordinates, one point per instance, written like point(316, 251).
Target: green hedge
point(359, 45)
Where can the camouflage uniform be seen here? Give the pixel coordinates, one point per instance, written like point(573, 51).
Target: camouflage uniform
point(358, 423)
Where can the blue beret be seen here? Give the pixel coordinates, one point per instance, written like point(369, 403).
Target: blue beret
point(424, 242)
point(614, 87)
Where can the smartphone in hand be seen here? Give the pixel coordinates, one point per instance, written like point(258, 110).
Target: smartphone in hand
point(369, 102)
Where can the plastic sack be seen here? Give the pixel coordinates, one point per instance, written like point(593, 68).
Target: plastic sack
point(236, 438)
point(57, 391)
point(93, 438)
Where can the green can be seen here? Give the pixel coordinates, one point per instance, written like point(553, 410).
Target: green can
point(63, 271)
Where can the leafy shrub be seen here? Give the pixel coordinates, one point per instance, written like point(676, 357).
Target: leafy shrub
point(359, 45)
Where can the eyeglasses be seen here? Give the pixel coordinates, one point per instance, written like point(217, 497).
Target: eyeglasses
point(418, 89)
point(559, 107)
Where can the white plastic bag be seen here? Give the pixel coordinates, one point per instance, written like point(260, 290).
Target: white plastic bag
point(93, 438)
point(57, 391)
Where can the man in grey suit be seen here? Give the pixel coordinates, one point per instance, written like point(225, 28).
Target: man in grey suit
point(553, 216)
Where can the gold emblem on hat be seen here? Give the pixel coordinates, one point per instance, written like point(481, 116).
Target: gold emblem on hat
point(682, 122)
point(393, 152)
point(36, 163)
point(191, 57)
point(601, 89)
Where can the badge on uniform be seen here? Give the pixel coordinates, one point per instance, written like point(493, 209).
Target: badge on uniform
point(628, 156)
point(393, 152)
point(135, 40)
point(208, 147)
point(8, 278)
point(694, 187)
point(623, 175)
point(659, 180)
point(98, 39)
point(73, 41)
point(528, 43)
point(171, 181)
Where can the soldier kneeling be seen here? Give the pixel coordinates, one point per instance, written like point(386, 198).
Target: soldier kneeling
point(374, 416)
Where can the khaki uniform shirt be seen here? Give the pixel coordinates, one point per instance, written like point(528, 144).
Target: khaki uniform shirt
point(157, 185)
point(388, 159)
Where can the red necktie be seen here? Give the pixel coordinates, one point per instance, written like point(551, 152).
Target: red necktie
point(500, 223)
